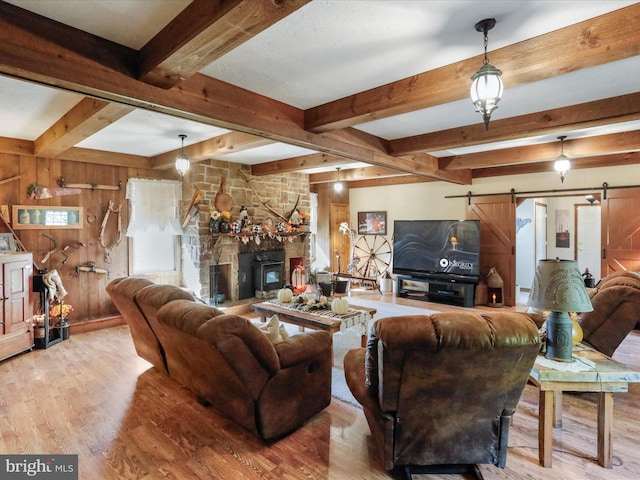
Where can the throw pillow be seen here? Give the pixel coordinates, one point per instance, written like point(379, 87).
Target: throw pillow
point(274, 331)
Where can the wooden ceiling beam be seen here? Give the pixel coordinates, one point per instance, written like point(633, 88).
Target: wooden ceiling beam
point(231, 142)
point(87, 117)
point(56, 40)
point(26, 55)
point(100, 157)
point(598, 161)
point(621, 142)
point(430, 166)
point(384, 182)
point(607, 38)
point(203, 32)
point(294, 164)
point(355, 174)
point(624, 108)
point(16, 146)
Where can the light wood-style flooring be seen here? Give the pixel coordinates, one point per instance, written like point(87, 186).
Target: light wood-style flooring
point(92, 396)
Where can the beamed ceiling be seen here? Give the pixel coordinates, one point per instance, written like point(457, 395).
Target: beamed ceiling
point(379, 89)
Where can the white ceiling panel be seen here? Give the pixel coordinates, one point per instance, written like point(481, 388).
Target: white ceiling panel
point(148, 133)
point(27, 109)
point(128, 22)
point(331, 49)
point(604, 81)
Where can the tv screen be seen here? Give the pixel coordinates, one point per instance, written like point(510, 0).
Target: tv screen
point(436, 246)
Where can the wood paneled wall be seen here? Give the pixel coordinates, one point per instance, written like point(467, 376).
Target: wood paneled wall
point(86, 290)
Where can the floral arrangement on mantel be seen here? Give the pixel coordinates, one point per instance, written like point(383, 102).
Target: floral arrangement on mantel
point(243, 229)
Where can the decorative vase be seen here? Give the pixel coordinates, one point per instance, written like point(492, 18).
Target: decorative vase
point(224, 227)
point(576, 330)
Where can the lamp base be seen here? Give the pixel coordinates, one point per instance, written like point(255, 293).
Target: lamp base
point(559, 337)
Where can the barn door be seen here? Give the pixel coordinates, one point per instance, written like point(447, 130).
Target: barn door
point(497, 215)
point(620, 230)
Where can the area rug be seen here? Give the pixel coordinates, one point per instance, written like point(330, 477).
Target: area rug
point(345, 341)
point(348, 339)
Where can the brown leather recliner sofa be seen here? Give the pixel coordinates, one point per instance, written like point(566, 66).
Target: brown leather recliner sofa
point(226, 361)
point(122, 292)
point(616, 311)
point(438, 391)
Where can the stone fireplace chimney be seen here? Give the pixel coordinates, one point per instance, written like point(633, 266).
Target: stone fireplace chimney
point(205, 253)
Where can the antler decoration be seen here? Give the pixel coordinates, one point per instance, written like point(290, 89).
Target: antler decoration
point(266, 205)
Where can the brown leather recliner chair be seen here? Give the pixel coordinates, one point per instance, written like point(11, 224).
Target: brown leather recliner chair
point(616, 311)
point(439, 391)
point(122, 292)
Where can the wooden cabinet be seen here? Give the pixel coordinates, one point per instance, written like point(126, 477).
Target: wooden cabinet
point(16, 332)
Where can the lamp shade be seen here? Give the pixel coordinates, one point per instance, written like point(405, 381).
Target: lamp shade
point(182, 164)
point(486, 90)
point(558, 286)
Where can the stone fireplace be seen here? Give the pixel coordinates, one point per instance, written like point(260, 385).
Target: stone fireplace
point(226, 262)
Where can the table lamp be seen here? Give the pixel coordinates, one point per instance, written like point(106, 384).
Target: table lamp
point(558, 286)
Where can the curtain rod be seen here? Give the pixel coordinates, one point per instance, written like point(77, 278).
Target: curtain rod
point(605, 186)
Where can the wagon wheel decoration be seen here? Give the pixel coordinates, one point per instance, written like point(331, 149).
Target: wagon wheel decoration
point(371, 256)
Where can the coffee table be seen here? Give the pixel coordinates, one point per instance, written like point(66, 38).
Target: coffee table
point(356, 317)
point(599, 374)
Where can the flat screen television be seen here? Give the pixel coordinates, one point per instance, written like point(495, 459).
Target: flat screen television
point(422, 247)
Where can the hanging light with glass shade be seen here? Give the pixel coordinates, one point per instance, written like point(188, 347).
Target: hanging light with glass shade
point(182, 161)
point(338, 186)
point(486, 86)
point(562, 165)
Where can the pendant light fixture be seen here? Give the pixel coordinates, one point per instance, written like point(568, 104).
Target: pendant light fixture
point(486, 86)
point(337, 186)
point(562, 163)
point(182, 162)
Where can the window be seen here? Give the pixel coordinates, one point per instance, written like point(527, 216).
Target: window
point(153, 225)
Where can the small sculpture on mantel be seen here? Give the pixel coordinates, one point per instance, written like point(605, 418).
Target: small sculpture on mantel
point(244, 217)
point(295, 219)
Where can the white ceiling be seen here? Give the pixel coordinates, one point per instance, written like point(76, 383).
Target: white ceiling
point(326, 50)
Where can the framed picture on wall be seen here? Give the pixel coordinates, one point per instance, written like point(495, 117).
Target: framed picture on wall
point(31, 217)
point(372, 223)
point(563, 236)
point(7, 243)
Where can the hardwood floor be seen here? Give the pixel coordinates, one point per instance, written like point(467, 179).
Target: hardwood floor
point(92, 396)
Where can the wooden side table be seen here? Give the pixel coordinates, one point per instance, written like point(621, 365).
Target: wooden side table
point(599, 374)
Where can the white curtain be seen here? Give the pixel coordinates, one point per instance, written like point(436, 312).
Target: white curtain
point(155, 206)
point(313, 223)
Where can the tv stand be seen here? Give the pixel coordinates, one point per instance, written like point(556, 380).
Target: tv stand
point(440, 288)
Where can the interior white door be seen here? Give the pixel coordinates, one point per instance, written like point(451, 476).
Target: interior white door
point(541, 231)
point(588, 239)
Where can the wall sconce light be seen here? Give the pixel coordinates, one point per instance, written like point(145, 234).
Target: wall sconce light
point(486, 86)
point(562, 164)
point(338, 186)
point(182, 162)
